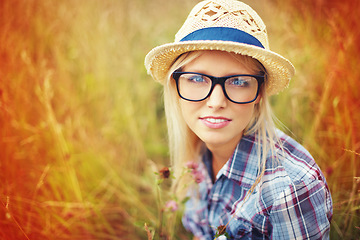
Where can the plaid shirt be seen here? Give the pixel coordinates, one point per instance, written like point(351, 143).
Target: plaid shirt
point(292, 201)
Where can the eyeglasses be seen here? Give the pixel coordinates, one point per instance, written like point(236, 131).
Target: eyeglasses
point(197, 87)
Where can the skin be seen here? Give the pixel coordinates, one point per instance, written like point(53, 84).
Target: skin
point(220, 140)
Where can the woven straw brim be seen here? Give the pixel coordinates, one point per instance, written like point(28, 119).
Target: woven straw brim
point(279, 70)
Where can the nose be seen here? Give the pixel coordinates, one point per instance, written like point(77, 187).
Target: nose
point(217, 98)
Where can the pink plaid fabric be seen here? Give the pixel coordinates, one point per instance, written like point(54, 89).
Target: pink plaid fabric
point(292, 201)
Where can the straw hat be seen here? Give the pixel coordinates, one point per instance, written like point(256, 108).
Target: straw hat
point(226, 25)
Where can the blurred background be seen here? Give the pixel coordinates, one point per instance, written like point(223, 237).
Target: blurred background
point(82, 128)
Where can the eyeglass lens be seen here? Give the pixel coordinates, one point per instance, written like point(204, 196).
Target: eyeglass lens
point(197, 87)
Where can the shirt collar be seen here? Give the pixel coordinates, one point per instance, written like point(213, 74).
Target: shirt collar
point(242, 166)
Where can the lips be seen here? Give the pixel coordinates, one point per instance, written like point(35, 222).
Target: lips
point(215, 122)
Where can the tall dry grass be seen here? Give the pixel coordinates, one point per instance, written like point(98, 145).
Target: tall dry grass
point(82, 129)
point(324, 99)
point(80, 119)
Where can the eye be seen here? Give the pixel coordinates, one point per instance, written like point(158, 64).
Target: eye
point(196, 78)
point(238, 82)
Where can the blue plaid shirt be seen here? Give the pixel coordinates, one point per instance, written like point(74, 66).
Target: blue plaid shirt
point(292, 201)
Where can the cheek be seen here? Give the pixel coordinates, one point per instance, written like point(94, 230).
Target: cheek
point(190, 111)
point(245, 113)
point(186, 109)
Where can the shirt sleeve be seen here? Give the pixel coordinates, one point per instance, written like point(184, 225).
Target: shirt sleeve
point(302, 211)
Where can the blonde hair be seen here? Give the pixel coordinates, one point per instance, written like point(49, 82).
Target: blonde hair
point(185, 146)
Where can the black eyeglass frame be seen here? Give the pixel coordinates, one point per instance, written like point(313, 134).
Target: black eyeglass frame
point(219, 80)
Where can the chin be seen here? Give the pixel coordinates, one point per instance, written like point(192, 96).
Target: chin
point(219, 142)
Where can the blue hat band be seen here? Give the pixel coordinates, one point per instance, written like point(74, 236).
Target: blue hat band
point(223, 34)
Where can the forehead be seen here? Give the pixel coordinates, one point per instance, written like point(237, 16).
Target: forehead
point(220, 63)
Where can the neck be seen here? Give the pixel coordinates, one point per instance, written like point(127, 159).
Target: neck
point(220, 155)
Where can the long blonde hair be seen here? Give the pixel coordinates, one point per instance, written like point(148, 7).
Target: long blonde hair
point(185, 146)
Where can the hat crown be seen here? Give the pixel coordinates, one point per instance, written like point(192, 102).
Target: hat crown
point(224, 13)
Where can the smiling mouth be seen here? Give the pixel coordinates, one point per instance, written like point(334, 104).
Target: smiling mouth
point(215, 120)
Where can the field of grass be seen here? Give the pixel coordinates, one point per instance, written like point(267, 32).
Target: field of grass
point(82, 126)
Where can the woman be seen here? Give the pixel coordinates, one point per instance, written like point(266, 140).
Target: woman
point(253, 181)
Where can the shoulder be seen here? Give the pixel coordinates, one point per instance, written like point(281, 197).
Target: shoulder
point(296, 192)
point(293, 160)
point(290, 169)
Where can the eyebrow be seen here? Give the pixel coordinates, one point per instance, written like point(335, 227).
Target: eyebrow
point(206, 72)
